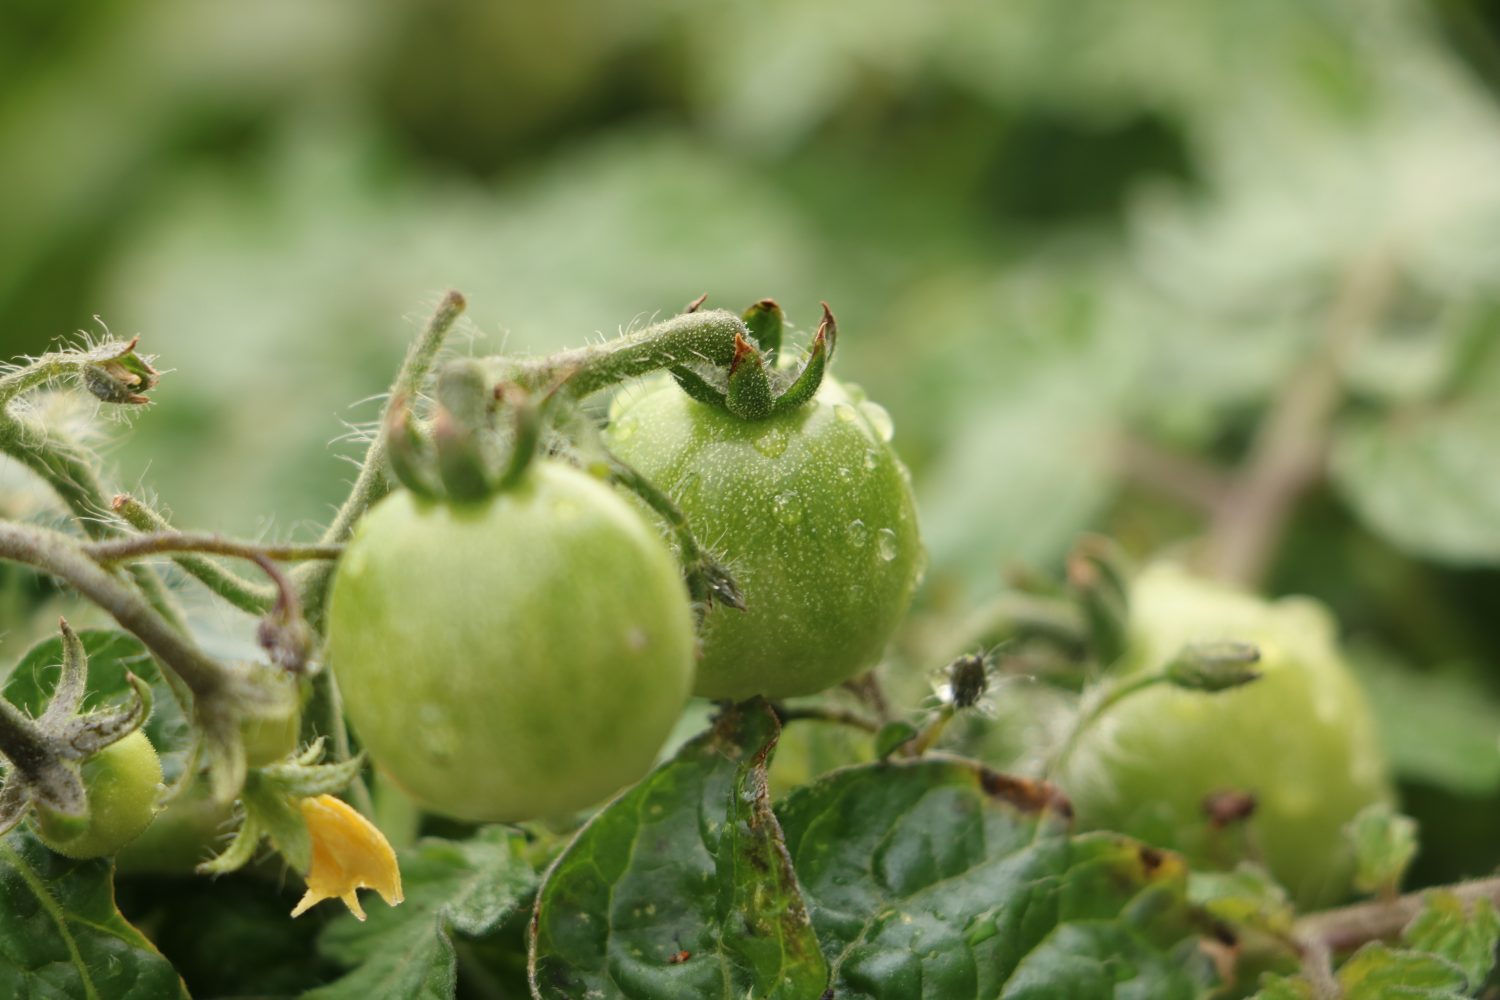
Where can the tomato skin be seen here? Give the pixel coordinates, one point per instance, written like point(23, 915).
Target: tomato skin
point(517, 658)
point(122, 783)
point(812, 513)
point(1301, 739)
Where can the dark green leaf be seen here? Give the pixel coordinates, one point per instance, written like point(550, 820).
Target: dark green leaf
point(1464, 936)
point(467, 886)
point(681, 887)
point(61, 936)
point(111, 656)
point(891, 736)
point(939, 878)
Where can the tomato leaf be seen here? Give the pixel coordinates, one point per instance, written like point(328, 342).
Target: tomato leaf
point(939, 878)
point(468, 887)
point(1380, 972)
point(112, 655)
point(1423, 479)
point(1464, 936)
point(682, 886)
point(63, 936)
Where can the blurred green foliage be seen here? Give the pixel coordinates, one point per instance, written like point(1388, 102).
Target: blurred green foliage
point(1052, 231)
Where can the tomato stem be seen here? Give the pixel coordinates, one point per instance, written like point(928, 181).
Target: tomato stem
point(249, 597)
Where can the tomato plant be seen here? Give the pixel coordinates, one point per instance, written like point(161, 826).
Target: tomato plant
point(506, 620)
point(122, 783)
point(1299, 741)
point(514, 658)
point(813, 513)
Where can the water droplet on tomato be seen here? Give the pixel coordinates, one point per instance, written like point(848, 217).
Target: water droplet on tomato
point(857, 533)
point(885, 542)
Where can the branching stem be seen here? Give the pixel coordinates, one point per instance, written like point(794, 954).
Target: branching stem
point(60, 556)
point(1346, 928)
point(157, 543)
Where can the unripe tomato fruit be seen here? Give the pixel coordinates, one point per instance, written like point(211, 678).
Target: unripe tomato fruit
point(122, 783)
point(1301, 739)
point(514, 658)
point(813, 515)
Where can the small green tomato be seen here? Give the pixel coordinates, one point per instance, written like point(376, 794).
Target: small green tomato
point(1300, 741)
point(513, 658)
point(122, 783)
point(813, 514)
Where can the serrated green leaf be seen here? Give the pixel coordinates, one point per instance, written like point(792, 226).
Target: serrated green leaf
point(1425, 479)
point(1379, 972)
point(681, 887)
point(939, 878)
point(1285, 988)
point(417, 960)
point(61, 935)
point(1245, 897)
point(1384, 844)
point(467, 886)
point(111, 656)
point(1464, 936)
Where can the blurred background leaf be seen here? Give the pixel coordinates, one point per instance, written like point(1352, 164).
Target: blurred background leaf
point(1059, 237)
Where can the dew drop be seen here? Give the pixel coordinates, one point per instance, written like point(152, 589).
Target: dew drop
point(772, 443)
point(885, 543)
point(879, 419)
point(858, 533)
point(845, 474)
point(870, 461)
point(788, 509)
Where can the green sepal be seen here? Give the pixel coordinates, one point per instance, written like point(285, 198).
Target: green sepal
point(275, 812)
point(749, 388)
point(408, 453)
point(1099, 577)
point(698, 387)
point(766, 323)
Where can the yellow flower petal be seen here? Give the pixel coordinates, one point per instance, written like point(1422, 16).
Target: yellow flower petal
point(348, 853)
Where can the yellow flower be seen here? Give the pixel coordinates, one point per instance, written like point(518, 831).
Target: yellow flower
point(348, 853)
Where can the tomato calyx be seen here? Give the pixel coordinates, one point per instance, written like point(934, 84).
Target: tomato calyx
point(46, 753)
point(463, 452)
point(755, 386)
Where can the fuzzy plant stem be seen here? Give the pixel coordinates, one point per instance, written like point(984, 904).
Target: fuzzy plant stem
point(157, 543)
point(250, 597)
point(60, 556)
point(69, 470)
point(1346, 928)
point(372, 482)
point(689, 339)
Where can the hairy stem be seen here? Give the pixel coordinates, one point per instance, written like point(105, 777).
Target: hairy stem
point(142, 546)
point(60, 556)
point(691, 338)
point(372, 483)
point(250, 597)
point(69, 470)
point(1348, 927)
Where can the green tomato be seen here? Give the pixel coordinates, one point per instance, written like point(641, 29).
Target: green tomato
point(516, 658)
point(122, 783)
point(1301, 739)
point(813, 514)
point(186, 832)
point(268, 739)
